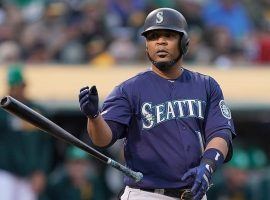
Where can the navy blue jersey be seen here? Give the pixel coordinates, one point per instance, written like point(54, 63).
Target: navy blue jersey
point(169, 123)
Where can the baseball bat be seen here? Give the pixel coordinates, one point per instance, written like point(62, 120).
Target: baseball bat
point(22, 111)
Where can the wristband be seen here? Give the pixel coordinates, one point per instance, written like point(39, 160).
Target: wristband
point(213, 157)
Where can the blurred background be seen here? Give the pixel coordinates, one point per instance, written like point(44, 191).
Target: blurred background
point(50, 49)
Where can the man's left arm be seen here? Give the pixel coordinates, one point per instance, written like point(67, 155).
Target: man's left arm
point(219, 132)
point(212, 158)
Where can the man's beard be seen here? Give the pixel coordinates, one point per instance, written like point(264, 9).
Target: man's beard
point(164, 65)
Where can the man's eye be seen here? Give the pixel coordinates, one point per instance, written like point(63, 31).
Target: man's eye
point(152, 36)
point(170, 35)
point(167, 35)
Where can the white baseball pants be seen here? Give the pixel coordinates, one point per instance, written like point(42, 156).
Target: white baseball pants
point(137, 194)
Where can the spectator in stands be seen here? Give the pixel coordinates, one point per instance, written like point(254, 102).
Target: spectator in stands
point(76, 180)
point(120, 11)
point(198, 51)
point(263, 45)
point(25, 152)
point(240, 177)
point(229, 14)
point(61, 31)
point(192, 10)
point(98, 54)
point(122, 48)
point(9, 52)
point(236, 177)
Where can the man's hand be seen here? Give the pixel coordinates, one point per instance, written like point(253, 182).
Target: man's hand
point(202, 175)
point(211, 160)
point(88, 99)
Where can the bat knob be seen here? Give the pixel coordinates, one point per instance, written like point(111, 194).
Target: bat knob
point(4, 101)
point(138, 177)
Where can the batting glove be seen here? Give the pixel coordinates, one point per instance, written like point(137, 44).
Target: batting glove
point(212, 158)
point(88, 99)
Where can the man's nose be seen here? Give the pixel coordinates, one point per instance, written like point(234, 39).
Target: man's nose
point(161, 40)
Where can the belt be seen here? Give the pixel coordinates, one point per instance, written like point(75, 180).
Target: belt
point(183, 194)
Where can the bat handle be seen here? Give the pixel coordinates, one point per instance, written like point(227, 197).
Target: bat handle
point(137, 176)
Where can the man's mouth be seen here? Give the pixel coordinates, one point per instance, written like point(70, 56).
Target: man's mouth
point(162, 53)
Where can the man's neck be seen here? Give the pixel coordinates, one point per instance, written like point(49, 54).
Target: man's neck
point(174, 72)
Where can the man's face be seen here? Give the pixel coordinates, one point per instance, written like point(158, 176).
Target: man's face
point(163, 45)
point(18, 91)
point(78, 168)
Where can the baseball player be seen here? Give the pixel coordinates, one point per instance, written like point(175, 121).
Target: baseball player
point(177, 128)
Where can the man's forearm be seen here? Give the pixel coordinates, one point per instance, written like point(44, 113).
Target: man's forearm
point(220, 144)
point(99, 131)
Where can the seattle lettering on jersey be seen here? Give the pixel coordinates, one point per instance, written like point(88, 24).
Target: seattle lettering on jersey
point(153, 115)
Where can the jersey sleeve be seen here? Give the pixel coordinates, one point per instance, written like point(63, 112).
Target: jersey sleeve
point(117, 107)
point(218, 114)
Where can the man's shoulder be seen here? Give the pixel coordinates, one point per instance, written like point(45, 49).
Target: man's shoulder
point(198, 76)
point(137, 79)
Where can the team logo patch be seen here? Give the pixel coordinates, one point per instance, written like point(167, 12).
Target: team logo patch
point(225, 110)
point(159, 18)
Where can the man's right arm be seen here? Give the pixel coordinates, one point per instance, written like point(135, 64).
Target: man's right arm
point(99, 131)
point(103, 133)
